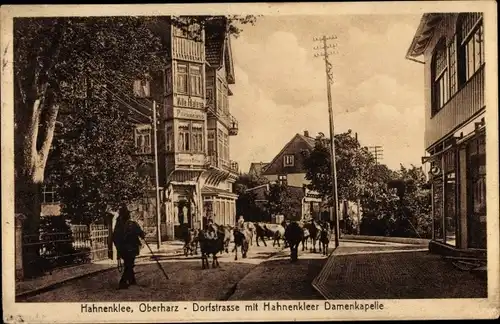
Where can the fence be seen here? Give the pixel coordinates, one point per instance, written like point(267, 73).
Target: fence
point(81, 244)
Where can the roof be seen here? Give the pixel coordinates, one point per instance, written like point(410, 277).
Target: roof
point(212, 191)
point(424, 34)
point(311, 142)
point(214, 48)
point(258, 167)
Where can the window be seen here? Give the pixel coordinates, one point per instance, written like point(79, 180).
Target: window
point(195, 80)
point(197, 137)
point(183, 142)
point(220, 97)
point(182, 78)
point(193, 31)
point(142, 88)
point(220, 146)
point(288, 160)
point(440, 89)
point(143, 140)
point(470, 33)
point(190, 137)
point(282, 180)
point(211, 142)
point(169, 138)
point(49, 194)
point(226, 148)
point(168, 80)
point(452, 57)
point(225, 100)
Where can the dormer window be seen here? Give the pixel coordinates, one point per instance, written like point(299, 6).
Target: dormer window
point(288, 160)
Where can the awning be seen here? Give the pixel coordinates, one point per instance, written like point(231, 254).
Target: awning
point(217, 192)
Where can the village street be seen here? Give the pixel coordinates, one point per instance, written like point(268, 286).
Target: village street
point(266, 273)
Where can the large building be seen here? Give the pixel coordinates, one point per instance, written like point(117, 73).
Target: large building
point(195, 170)
point(452, 47)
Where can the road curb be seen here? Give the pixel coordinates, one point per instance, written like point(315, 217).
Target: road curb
point(52, 286)
point(57, 284)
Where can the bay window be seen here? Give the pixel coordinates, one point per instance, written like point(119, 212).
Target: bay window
point(470, 33)
point(182, 78)
point(190, 137)
point(189, 79)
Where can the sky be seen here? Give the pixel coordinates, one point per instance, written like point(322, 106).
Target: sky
point(280, 86)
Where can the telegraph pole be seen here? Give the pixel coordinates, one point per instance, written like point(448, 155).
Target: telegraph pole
point(329, 80)
point(377, 152)
point(157, 180)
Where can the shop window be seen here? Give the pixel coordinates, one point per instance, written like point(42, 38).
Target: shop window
point(476, 220)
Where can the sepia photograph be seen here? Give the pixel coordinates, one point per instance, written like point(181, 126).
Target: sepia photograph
point(193, 160)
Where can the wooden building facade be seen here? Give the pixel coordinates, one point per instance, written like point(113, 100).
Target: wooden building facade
point(452, 46)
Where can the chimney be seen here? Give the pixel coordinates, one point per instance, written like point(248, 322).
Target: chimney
point(306, 133)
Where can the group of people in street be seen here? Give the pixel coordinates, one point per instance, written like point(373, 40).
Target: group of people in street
point(127, 237)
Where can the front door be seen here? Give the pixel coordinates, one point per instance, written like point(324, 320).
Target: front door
point(476, 186)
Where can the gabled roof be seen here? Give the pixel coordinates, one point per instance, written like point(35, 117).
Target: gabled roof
point(298, 137)
point(424, 34)
point(258, 167)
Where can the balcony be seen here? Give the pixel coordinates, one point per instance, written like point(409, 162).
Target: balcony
point(464, 105)
point(233, 126)
point(212, 161)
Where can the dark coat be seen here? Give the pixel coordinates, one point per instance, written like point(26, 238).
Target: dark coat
point(126, 238)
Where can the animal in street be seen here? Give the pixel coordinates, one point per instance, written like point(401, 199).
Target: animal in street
point(314, 233)
point(260, 233)
point(241, 240)
point(294, 235)
point(324, 238)
point(278, 234)
point(210, 244)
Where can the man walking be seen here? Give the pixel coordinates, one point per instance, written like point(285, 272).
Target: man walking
point(126, 239)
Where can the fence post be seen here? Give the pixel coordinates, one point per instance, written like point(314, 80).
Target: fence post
point(19, 222)
point(110, 237)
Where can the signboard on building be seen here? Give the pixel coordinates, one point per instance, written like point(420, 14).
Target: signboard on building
point(189, 159)
point(188, 114)
point(189, 102)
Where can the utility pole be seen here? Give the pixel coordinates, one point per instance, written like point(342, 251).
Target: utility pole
point(377, 152)
point(157, 180)
point(329, 79)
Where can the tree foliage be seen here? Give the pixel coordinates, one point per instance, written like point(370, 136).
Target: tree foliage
point(282, 201)
point(353, 164)
point(96, 168)
point(393, 203)
point(246, 203)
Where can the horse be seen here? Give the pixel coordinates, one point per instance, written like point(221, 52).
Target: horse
point(314, 231)
point(294, 235)
point(210, 244)
point(251, 230)
point(278, 234)
point(224, 233)
point(241, 240)
point(324, 238)
point(260, 233)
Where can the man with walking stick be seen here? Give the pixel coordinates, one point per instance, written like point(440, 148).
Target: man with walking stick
point(126, 238)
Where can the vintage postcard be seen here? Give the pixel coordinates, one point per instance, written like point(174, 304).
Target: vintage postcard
point(250, 162)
